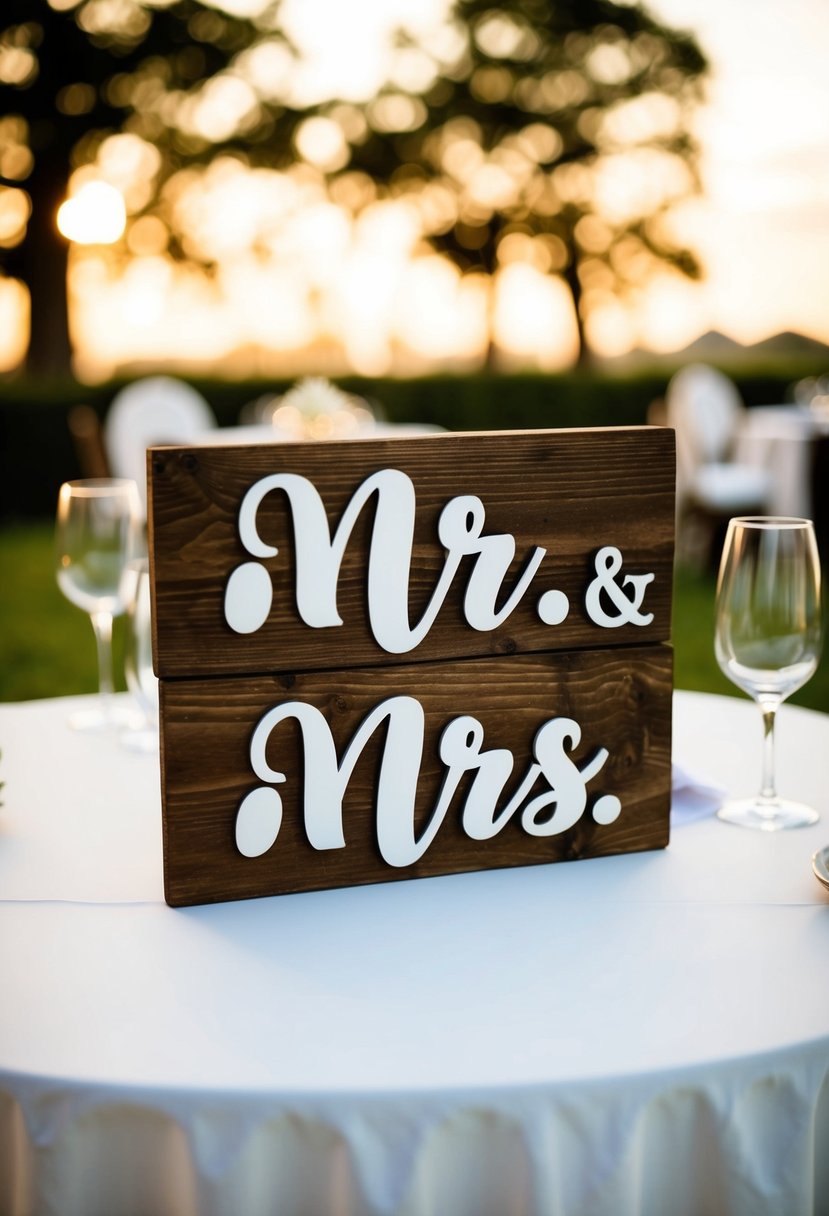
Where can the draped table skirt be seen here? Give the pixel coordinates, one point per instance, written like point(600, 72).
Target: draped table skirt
point(646, 1034)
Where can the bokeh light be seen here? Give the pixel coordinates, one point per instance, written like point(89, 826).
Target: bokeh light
point(95, 215)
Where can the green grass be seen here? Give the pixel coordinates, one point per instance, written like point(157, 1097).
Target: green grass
point(693, 637)
point(47, 647)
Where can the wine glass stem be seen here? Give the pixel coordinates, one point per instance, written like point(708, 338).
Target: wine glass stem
point(102, 625)
point(768, 792)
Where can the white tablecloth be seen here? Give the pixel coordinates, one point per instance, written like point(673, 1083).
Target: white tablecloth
point(625, 1036)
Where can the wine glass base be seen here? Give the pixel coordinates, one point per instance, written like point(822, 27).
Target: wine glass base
point(142, 740)
point(100, 718)
point(767, 816)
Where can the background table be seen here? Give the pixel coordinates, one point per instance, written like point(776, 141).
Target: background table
point(646, 1034)
point(784, 439)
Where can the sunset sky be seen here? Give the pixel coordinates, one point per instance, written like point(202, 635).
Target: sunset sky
point(761, 229)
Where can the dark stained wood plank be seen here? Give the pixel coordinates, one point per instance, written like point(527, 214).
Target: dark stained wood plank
point(620, 696)
point(571, 492)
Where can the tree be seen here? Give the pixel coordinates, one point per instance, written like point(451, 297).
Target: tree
point(554, 131)
point(511, 133)
point(73, 72)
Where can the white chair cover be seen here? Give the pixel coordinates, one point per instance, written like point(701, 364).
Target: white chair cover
point(154, 410)
point(705, 409)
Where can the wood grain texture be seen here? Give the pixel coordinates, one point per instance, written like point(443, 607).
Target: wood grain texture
point(620, 696)
point(570, 492)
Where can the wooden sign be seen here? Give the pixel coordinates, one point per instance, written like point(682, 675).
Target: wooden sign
point(404, 657)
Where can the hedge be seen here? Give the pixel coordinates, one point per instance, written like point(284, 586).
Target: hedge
point(37, 452)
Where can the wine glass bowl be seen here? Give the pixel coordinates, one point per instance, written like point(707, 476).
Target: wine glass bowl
point(138, 662)
point(97, 536)
point(768, 639)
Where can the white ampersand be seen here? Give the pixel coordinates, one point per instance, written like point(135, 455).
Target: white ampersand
point(608, 564)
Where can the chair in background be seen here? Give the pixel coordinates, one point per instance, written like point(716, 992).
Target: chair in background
point(88, 441)
point(154, 410)
point(706, 411)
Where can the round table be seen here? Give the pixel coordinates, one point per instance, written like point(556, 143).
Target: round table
point(623, 1036)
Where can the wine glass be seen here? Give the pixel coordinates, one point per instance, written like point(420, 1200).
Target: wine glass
point(138, 662)
point(768, 638)
point(97, 536)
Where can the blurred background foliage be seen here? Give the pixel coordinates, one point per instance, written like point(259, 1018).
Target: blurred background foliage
point(547, 135)
point(37, 453)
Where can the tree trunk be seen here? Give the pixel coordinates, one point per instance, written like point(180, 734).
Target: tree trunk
point(42, 265)
point(571, 278)
point(491, 353)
